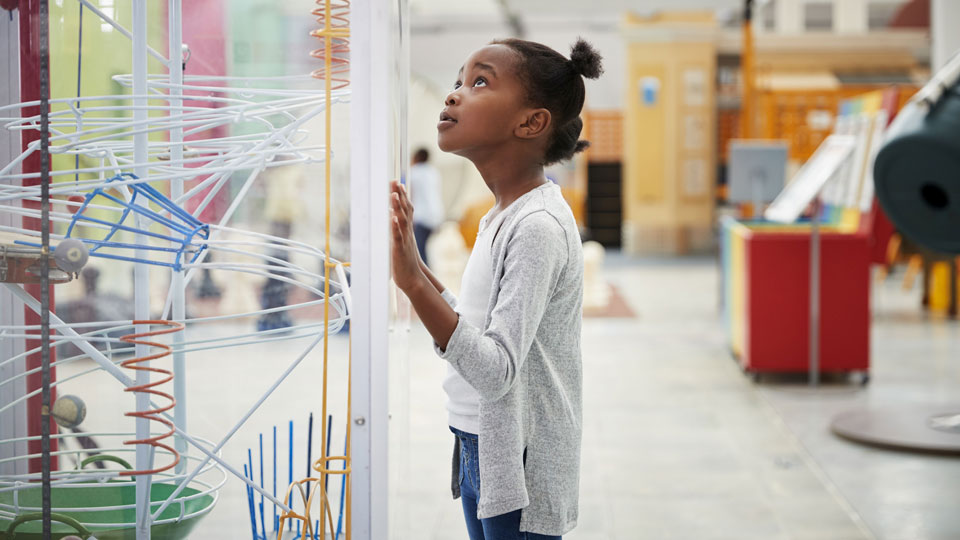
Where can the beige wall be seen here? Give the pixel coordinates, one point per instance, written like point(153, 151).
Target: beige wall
point(669, 144)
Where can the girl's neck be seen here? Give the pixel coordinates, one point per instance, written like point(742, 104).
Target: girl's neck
point(509, 180)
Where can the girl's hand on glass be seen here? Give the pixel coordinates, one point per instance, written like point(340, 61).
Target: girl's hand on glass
point(405, 259)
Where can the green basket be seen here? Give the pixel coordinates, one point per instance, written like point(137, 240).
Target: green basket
point(66, 500)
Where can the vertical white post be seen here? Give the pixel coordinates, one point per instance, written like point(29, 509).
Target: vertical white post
point(945, 40)
point(814, 333)
point(850, 17)
point(789, 16)
point(141, 277)
point(756, 185)
point(175, 24)
point(13, 422)
point(399, 516)
point(370, 172)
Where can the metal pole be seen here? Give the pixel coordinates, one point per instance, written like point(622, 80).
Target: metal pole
point(814, 367)
point(31, 25)
point(747, 72)
point(45, 267)
point(756, 185)
point(141, 277)
point(175, 23)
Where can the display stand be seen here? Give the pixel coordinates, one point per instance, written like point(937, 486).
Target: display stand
point(803, 192)
point(813, 373)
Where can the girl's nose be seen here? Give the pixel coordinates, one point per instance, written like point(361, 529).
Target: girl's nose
point(452, 98)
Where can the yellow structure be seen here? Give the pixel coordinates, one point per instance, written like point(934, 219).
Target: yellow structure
point(669, 133)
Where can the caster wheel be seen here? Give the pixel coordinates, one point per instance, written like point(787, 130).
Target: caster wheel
point(864, 379)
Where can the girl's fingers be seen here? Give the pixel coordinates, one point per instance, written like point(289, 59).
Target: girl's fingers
point(402, 213)
point(397, 233)
point(399, 226)
point(401, 191)
point(397, 200)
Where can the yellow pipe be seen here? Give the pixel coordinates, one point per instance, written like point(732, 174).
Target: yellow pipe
point(328, 33)
point(328, 61)
point(747, 73)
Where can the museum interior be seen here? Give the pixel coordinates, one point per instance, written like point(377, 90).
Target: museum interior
point(207, 330)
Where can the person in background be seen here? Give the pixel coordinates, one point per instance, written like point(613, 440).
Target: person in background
point(425, 195)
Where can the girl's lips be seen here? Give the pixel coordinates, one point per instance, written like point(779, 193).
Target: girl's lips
point(446, 121)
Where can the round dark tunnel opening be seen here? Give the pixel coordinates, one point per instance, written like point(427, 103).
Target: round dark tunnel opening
point(935, 196)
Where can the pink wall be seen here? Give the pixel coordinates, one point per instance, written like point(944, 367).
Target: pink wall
point(204, 30)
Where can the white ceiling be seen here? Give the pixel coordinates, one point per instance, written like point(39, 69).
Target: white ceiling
point(444, 32)
point(564, 8)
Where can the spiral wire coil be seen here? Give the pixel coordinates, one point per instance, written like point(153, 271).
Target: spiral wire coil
point(151, 388)
point(334, 19)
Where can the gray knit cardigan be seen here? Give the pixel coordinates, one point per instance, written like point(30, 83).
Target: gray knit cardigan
point(526, 365)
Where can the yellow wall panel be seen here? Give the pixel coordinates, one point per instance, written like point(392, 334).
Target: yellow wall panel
point(644, 146)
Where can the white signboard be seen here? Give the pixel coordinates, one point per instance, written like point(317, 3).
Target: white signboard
point(876, 142)
point(830, 156)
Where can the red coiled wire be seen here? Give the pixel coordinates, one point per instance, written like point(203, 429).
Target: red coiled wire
point(337, 27)
point(151, 388)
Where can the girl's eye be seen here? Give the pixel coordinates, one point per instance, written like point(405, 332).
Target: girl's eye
point(457, 85)
point(480, 82)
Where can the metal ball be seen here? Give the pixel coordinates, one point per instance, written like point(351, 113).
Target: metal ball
point(70, 255)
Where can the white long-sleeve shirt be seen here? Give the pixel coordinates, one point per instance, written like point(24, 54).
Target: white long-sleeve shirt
point(463, 401)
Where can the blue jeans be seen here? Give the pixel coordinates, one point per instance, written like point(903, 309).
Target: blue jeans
point(421, 233)
point(502, 527)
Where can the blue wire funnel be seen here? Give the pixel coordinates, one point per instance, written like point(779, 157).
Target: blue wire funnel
point(184, 229)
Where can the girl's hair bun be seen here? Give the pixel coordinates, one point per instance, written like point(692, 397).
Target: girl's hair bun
point(585, 59)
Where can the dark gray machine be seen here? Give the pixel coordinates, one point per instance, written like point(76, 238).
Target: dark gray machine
point(917, 179)
point(917, 172)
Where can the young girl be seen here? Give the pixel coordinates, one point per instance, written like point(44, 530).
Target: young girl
point(512, 342)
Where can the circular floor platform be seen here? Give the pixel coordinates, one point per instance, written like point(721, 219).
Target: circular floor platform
point(931, 429)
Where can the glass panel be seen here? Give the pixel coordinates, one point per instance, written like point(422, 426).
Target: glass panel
point(235, 200)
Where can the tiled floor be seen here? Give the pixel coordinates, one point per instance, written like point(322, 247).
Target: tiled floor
point(916, 363)
point(678, 444)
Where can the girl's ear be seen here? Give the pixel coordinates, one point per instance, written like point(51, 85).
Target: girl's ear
point(536, 123)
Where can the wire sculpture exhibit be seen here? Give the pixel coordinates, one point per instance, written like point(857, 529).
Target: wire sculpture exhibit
point(147, 164)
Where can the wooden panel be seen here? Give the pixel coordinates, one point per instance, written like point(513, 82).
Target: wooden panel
point(787, 114)
point(604, 130)
point(696, 133)
point(644, 128)
point(728, 128)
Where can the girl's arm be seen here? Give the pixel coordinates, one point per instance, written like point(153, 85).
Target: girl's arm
point(413, 277)
point(490, 358)
point(430, 277)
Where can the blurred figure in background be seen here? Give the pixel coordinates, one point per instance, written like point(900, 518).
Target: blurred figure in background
point(425, 196)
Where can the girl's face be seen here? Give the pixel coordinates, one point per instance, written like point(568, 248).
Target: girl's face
point(485, 105)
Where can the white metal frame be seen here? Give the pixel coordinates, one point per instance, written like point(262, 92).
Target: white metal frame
point(378, 124)
point(370, 170)
point(140, 82)
point(12, 423)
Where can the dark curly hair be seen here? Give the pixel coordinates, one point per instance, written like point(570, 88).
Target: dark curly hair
point(556, 83)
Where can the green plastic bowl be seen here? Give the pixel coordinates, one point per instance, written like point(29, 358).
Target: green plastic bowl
point(65, 501)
